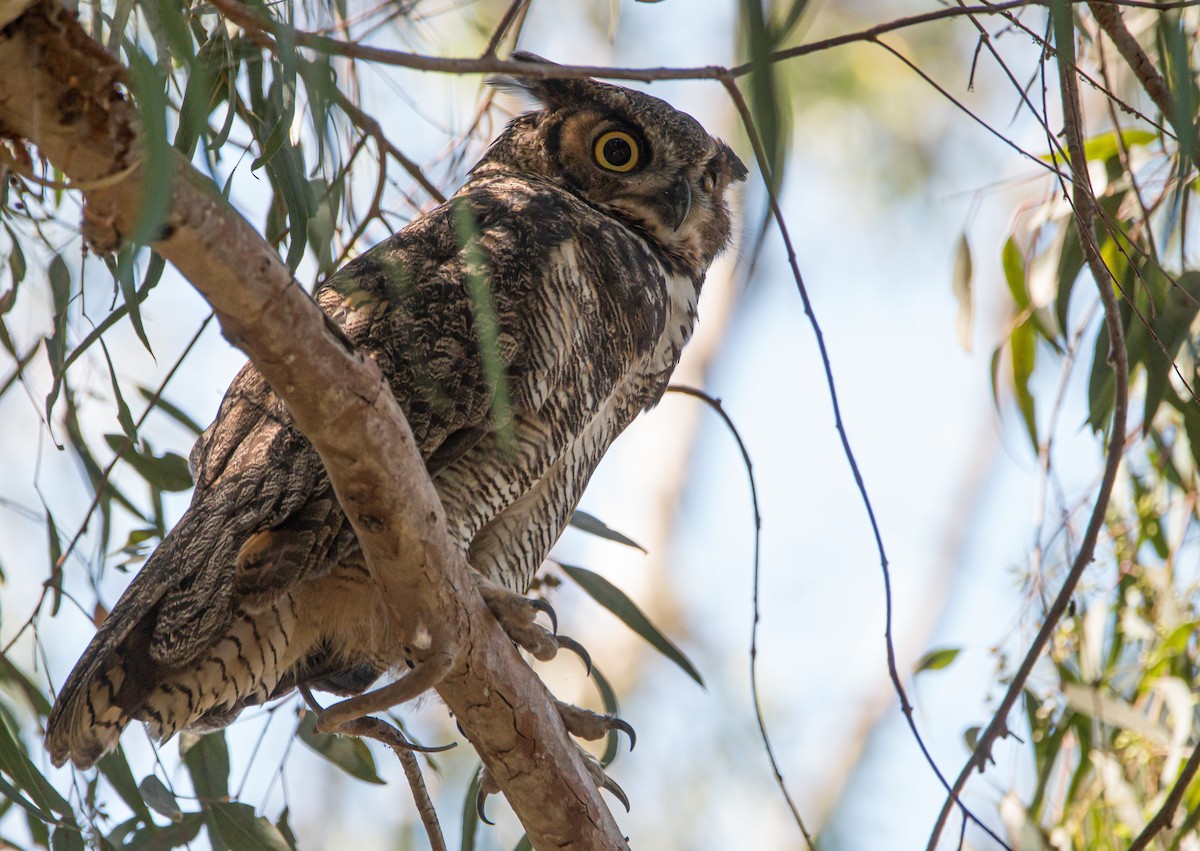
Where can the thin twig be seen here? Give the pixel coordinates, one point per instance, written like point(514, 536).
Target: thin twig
point(1108, 16)
point(1084, 204)
point(715, 404)
point(893, 672)
point(118, 453)
point(381, 731)
point(251, 20)
point(1166, 813)
point(510, 15)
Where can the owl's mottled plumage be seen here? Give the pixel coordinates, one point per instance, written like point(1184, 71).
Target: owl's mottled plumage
point(588, 225)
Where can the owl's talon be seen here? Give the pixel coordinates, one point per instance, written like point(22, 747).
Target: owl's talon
point(480, 801)
point(517, 614)
point(575, 647)
point(603, 781)
point(544, 607)
point(616, 791)
point(592, 725)
point(487, 787)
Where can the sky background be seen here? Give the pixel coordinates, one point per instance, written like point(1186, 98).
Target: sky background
point(884, 177)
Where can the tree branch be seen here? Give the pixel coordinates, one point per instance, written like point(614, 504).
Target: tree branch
point(60, 90)
point(1083, 201)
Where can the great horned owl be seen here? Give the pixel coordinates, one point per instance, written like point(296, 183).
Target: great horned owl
point(522, 326)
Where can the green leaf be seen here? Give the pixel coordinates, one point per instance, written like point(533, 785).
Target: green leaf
point(207, 760)
point(1014, 273)
point(56, 343)
point(286, 829)
point(608, 695)
point(1101, 384)
point(1023, 346)
point(67, 838)
point(149, 89)
point(961, 287)
point(585, 522)
point(115, 768)
point(168, 472)
point(971, 737)
point(154, 838)
point(242, 830)
point(524, 844)
point(172, 411)
point(10, 673)
point(615, 600)
point(9, 793)
point(126, 262)
point(487, 327)
point(1104, 145)
point(935, 660)
point(160, 799)
point(470, 814)
point(54, 582)
point(348, 753)
point(1070, 264)
point(123, 415)
point(16, 764)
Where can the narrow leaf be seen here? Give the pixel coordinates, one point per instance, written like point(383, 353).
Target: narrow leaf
point(585, 522)
point(123, 415)
point(115, 768)
point(1023, 345)
point(961, 286)
point(935, 660)
point(470, 813)
point(608, 695)
point(16, 764)
point(615, 600)
point(172, 411)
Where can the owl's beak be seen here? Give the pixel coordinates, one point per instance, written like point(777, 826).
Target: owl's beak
point(678, 202)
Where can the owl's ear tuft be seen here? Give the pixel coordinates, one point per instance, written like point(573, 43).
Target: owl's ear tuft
point(546, 91)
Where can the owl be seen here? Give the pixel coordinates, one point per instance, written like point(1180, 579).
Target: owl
point(522, 326)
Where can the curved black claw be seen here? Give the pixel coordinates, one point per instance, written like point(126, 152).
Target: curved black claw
point(542, 606)
point(576, 648)
point(481, 799)
point(627, 728)
point(617, 791)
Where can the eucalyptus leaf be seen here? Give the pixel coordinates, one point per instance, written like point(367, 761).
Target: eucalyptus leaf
point(616, 601)
point(585, 522)
point(348, 753)
point(242, 830)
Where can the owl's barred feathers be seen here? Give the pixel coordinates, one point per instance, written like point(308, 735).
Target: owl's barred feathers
point(596, 218)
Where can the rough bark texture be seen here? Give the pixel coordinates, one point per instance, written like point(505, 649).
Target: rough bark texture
point(60, 91)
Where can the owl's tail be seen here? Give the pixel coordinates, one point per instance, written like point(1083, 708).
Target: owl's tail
point(243, 668)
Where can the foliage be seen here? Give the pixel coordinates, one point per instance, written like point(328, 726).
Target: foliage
point(1110, 714)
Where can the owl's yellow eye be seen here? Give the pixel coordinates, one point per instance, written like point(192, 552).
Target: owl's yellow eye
point(616, 151)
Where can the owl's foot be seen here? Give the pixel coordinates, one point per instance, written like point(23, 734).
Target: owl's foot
point(589, 725)
point(517, 614)
point(488, 786)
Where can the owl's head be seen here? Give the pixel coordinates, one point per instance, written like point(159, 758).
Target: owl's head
point(632, 155)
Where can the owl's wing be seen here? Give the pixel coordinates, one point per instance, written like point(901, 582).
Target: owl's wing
point(560, 325)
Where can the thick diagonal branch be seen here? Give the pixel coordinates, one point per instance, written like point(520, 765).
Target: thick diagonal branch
point(61, 91)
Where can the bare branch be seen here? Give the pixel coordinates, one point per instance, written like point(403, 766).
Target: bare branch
point(59, 90)
point(1084, 203)
point(893, 672)
point(1166, 813)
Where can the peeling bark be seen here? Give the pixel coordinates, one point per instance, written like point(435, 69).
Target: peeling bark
point(64, 94)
